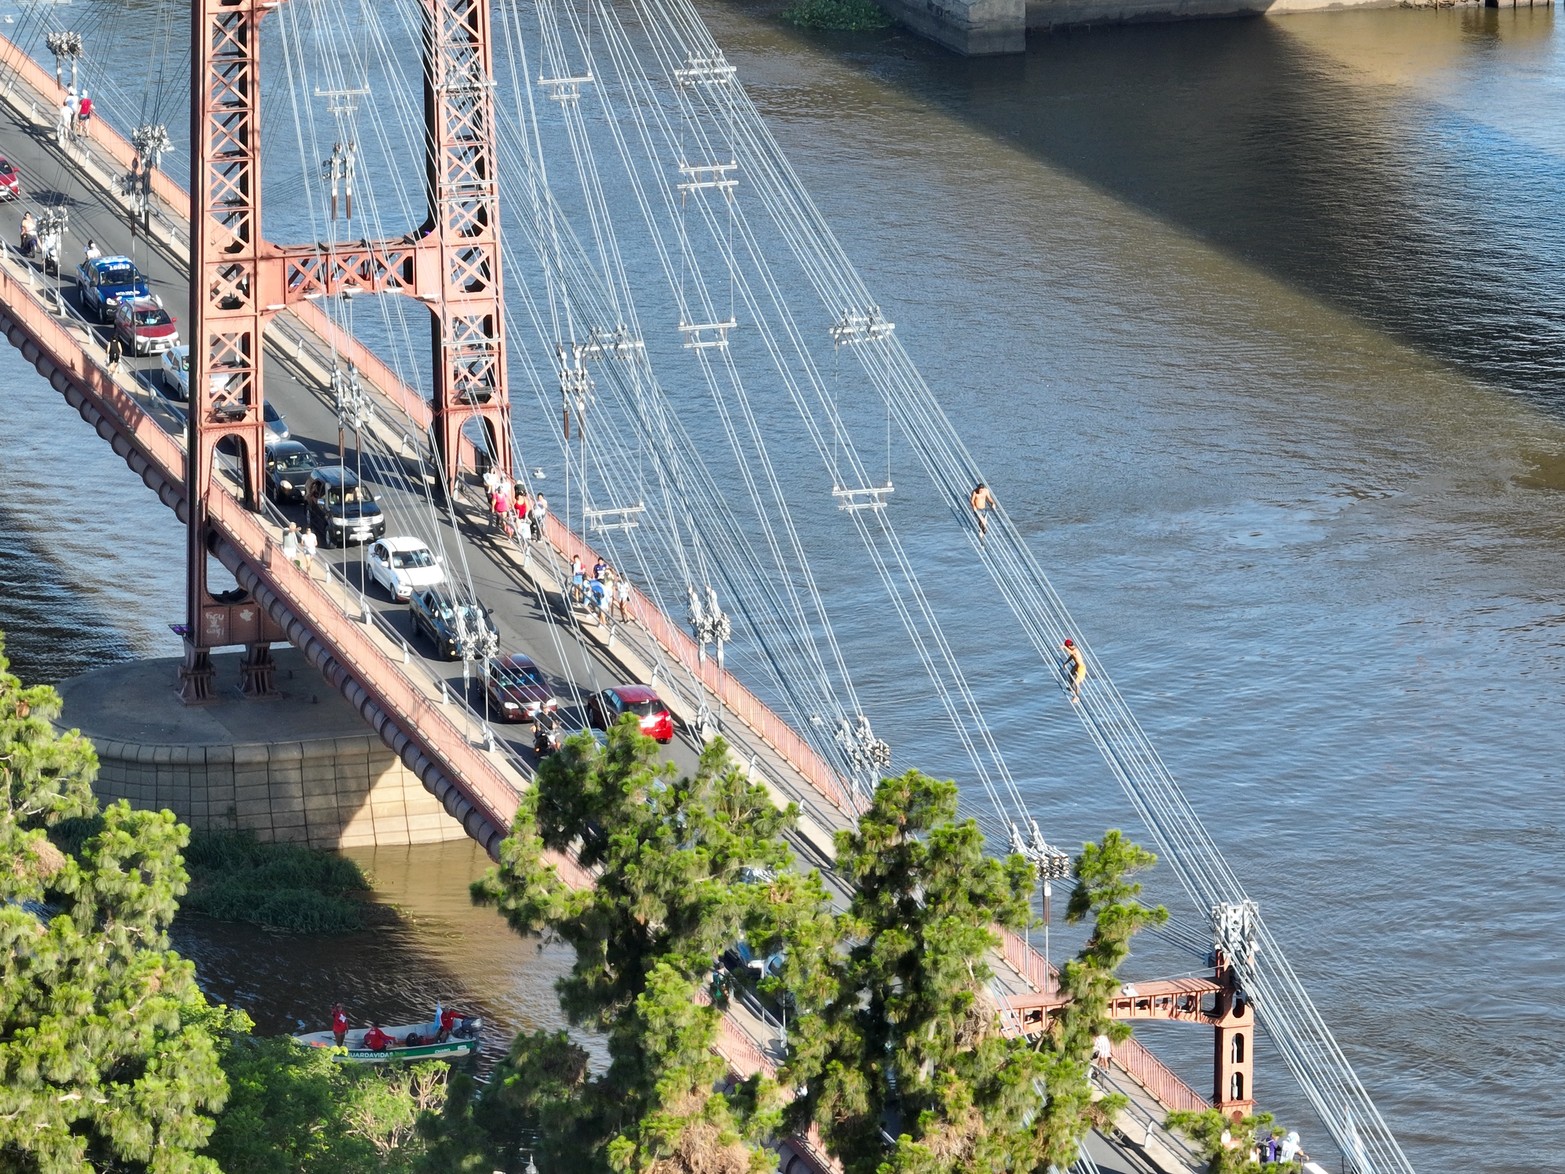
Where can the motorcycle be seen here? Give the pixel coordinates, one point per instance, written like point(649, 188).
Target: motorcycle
point(29, 243)
point(546, 736)
point(51, 256)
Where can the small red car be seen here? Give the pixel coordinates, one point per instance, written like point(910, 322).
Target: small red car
point(10, 182)
point(144, 326)
point(606, 708)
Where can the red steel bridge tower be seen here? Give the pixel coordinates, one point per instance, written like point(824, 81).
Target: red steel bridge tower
point(238, 280)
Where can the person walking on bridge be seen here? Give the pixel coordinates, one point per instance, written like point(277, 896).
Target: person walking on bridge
point(1075, 667)
point(84, 115)
point(540, 512)
point(113, 353)
point(982, 501)
point(67, 118)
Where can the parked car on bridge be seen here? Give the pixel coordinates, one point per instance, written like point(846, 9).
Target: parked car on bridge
point(104, 282)
point(517, 689)
point(288, 466)
point(276, 426)
point(10, 181)
point(144, 327)
point(403, 566)
point(437, 615)
point(605, 709)
point(339, 509)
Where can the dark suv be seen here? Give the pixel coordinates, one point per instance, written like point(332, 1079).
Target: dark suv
point(340, 509)
point(288, 466)
point(438, 615)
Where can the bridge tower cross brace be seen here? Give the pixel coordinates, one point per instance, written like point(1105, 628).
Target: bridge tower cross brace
point(238, 280)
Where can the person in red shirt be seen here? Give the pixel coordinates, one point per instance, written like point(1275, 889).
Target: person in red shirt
point(375, 1039)
point(339, 1024)
point(448, 1020)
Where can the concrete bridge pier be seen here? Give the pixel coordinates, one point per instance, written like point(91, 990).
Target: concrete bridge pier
point(973, 28)
point(301, 767)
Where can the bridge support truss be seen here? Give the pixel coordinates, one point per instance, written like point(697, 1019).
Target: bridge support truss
point(1217, 1003)
point(238, 280)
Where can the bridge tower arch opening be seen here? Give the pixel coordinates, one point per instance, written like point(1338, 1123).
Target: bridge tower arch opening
point(239, 280)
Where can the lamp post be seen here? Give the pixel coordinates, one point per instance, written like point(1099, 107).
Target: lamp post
point(866, 754)
point(150, 140)
point(1052, 864)
point(66, 46)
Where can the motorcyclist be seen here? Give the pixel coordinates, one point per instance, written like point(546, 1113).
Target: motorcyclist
point(546, 734)
point(29, 234)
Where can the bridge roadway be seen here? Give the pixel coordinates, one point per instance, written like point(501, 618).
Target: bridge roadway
point(522, 585)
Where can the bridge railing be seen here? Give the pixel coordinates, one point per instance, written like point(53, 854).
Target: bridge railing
point(737, 700)
point(1161, 1082)
point(441, 737)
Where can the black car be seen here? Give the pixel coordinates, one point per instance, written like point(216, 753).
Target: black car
point(438, 615)
point(340, 509)
point(288, 466)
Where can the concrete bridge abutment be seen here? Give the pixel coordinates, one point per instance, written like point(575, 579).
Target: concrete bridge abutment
point(973, 28)
point(299, 768)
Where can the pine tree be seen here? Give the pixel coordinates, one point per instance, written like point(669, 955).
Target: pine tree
point(672, 856)
point(908, 1040)
point(1105, 893)
point(105, 1057)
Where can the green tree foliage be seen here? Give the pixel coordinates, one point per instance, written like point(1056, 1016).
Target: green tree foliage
point(852, 16)
point(671, 856)
point(1105, 893)
point(235, 877)
point(295, 1110)
point(106, 1061)
point(907, 1039)
point(1226, 1144)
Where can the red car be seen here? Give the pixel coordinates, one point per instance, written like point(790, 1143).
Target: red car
point(144, 326)
point(606, 708)
point(10, 182)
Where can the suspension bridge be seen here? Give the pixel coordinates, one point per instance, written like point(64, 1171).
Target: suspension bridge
point(660, 259)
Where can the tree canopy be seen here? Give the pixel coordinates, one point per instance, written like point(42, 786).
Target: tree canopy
point(907, 1038)
point(105, 1057)
point(674, 857)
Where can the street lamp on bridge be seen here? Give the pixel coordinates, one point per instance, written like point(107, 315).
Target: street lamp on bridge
point(66, 46)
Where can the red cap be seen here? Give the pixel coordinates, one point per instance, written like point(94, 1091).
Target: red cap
point(1068, 643)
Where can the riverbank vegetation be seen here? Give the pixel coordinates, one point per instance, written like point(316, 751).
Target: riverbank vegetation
point(235, 877)
point(107, 1058)
point(847, 16)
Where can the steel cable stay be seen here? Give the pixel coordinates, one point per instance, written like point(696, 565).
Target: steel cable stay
point(1179, 832)
point(820, 443)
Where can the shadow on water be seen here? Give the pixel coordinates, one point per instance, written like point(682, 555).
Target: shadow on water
point(439, 946)
point(1407, 212)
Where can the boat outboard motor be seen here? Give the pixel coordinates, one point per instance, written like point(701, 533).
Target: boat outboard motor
point(467, 1028)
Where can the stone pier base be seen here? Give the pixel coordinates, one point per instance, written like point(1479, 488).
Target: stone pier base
point(300, 767)
point(973, 28)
